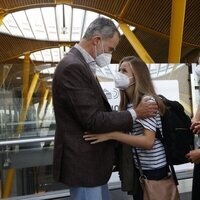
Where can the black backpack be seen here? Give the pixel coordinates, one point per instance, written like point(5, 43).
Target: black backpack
point(177, 137)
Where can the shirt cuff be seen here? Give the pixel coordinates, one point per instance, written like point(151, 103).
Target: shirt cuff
point(133, 113)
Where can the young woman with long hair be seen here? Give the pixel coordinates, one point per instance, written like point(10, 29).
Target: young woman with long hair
point(134, 82)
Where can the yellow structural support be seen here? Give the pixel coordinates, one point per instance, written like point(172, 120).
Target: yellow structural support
point(49, 98)
point(176, 30)
point(125, 8)
point(4, 73)
point(140, 50)
point(1, 19)
point(64, 1)
point(27, 103)
point(2, 15)
point(9, 179)
point(43, 99)
point(26, 73)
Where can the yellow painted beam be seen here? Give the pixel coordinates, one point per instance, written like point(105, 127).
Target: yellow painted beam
point(1, 19)
point(176, 30)
point(26, 73)
point(9, 179)
point(2, 15)
point(64, 1)
point(140, 50)
point(49, 98)
point(125, 8)
point(4, 73)
point(43, 99)
point(27, 103)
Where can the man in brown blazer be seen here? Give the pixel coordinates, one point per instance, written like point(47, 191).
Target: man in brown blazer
point(80, 106)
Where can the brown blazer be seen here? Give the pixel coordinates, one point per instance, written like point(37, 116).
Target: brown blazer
point(80, 105)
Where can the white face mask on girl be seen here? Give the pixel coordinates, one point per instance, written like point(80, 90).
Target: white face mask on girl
point(102, 59)
point(122, 81)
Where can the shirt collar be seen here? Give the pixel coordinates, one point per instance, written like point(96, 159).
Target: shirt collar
point(88, 58)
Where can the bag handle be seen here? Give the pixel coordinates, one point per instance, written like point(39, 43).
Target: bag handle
point(142, 176)
point(161, 138)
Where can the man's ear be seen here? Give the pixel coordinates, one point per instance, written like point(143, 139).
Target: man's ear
point(95, 40)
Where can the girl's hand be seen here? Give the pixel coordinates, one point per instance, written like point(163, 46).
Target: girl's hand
point(96, 138)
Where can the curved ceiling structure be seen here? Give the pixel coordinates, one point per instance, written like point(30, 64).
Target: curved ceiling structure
point(151, 19)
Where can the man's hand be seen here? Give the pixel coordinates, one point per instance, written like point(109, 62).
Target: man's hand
point(195, 127)
point(146, 109)
point(194, 156)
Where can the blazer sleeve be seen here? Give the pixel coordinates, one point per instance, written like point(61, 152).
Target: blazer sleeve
point(80, 92)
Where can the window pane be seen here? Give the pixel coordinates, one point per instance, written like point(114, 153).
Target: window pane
point(36, 23)
point(77, 24)
point(3, 29)
point(23, 24)
point(46, 55)
point(11, 25)
point(89, 17)
point(50, 22)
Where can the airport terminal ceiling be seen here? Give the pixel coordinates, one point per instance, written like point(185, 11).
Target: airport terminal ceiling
point(151, 20)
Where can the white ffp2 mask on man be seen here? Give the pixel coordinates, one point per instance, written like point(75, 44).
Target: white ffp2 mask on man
point(103, 59)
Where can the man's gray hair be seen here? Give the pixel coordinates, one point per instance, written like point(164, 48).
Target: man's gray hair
point(103, 27)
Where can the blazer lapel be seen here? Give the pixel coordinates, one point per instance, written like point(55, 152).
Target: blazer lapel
point(87, 67)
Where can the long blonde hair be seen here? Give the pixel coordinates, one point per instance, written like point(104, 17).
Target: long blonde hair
point(143, 84)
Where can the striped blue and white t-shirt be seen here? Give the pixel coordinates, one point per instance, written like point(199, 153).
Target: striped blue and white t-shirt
point(154, 158)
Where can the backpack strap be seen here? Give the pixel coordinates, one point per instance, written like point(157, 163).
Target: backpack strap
point(171, 166)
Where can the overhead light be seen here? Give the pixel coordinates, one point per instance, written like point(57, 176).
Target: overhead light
point(18, 78)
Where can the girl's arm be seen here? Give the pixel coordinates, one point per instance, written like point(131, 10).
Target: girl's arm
point(145, 141)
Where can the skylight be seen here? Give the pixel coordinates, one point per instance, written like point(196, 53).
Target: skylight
point(50, 23)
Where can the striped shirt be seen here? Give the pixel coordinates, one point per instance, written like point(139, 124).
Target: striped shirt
point(154, 158)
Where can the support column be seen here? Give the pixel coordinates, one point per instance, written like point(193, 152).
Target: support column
point(4, 73)
point(176, 30)
point(140, 50)
point(2, 15)
point(26, 73)
point(43, 99)
point(27, 103)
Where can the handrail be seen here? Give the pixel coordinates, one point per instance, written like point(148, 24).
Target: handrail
point(26, 140)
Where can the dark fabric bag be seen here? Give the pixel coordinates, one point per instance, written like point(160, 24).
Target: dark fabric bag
point(177, 137)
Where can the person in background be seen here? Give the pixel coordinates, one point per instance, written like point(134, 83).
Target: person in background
point(80, 105)
point(143, 134)
point(194, 156)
